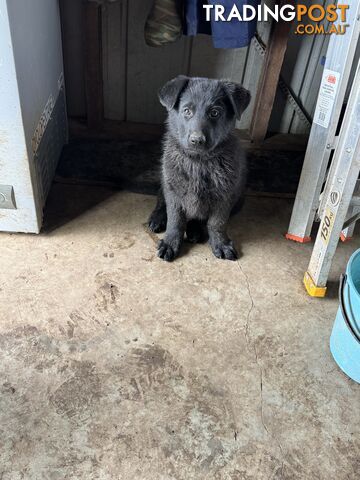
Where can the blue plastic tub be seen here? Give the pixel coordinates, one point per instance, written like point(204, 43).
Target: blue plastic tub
point(345, 337)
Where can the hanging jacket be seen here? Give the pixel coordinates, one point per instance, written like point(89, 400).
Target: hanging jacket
point(233, 34)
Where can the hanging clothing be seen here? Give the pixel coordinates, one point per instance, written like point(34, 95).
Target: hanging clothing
point(232, 34)
point(164, 23)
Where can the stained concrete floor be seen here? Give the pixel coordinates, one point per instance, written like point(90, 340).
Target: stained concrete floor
point(116, 365)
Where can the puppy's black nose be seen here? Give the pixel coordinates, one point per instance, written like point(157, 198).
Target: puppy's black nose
point(197, 139)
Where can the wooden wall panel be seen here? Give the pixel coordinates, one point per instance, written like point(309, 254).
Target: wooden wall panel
point(133, 72)
point(114, 25)
point(269, 80)
point(207, 61)
point(252, 71)
point(94, 87)
point(72, 39)
point(148, 68)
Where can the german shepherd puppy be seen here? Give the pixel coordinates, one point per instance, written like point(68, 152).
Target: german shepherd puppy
point(203, 165)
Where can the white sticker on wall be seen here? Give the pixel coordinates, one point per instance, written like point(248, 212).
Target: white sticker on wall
point(326, 99)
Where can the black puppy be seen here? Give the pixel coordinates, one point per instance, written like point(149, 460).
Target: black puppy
point(203, 166)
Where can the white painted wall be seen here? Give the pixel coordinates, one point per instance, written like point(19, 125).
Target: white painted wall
point(30, 66)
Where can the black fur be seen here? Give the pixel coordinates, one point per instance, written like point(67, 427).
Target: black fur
point(203, 166)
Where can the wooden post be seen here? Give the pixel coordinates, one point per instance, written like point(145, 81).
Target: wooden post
point(269, 80)
point(93, 65)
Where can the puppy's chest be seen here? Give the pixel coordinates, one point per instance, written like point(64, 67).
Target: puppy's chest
point(199, 187)
point(200, 183)
point(206, 182)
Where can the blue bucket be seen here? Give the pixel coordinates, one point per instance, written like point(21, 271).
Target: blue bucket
point(345, 336)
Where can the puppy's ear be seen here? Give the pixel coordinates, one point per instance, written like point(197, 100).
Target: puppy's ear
point(238, 96)
point(169, 94)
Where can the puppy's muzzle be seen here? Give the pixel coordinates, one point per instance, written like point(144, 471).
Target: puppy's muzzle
point(197, 139)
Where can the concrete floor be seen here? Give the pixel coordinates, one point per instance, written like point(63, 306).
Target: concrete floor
point(116, 365)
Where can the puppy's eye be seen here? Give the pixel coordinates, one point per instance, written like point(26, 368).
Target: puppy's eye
point(214, 113)
point(187, 112)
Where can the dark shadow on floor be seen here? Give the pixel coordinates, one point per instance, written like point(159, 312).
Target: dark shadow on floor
point(109, 166)
point(129, 165)
point(68, 201)
point(332, 289)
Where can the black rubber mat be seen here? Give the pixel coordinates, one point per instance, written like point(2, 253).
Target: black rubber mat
point(135, 166)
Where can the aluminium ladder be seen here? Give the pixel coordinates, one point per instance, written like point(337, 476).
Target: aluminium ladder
point(322, 140)
point(339, 190)
point(336, 207)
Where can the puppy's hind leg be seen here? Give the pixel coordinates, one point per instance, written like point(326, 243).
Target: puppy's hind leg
point(158, 218)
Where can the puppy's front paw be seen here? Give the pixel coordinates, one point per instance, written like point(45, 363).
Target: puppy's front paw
point(225, 251)
point(166, 251)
